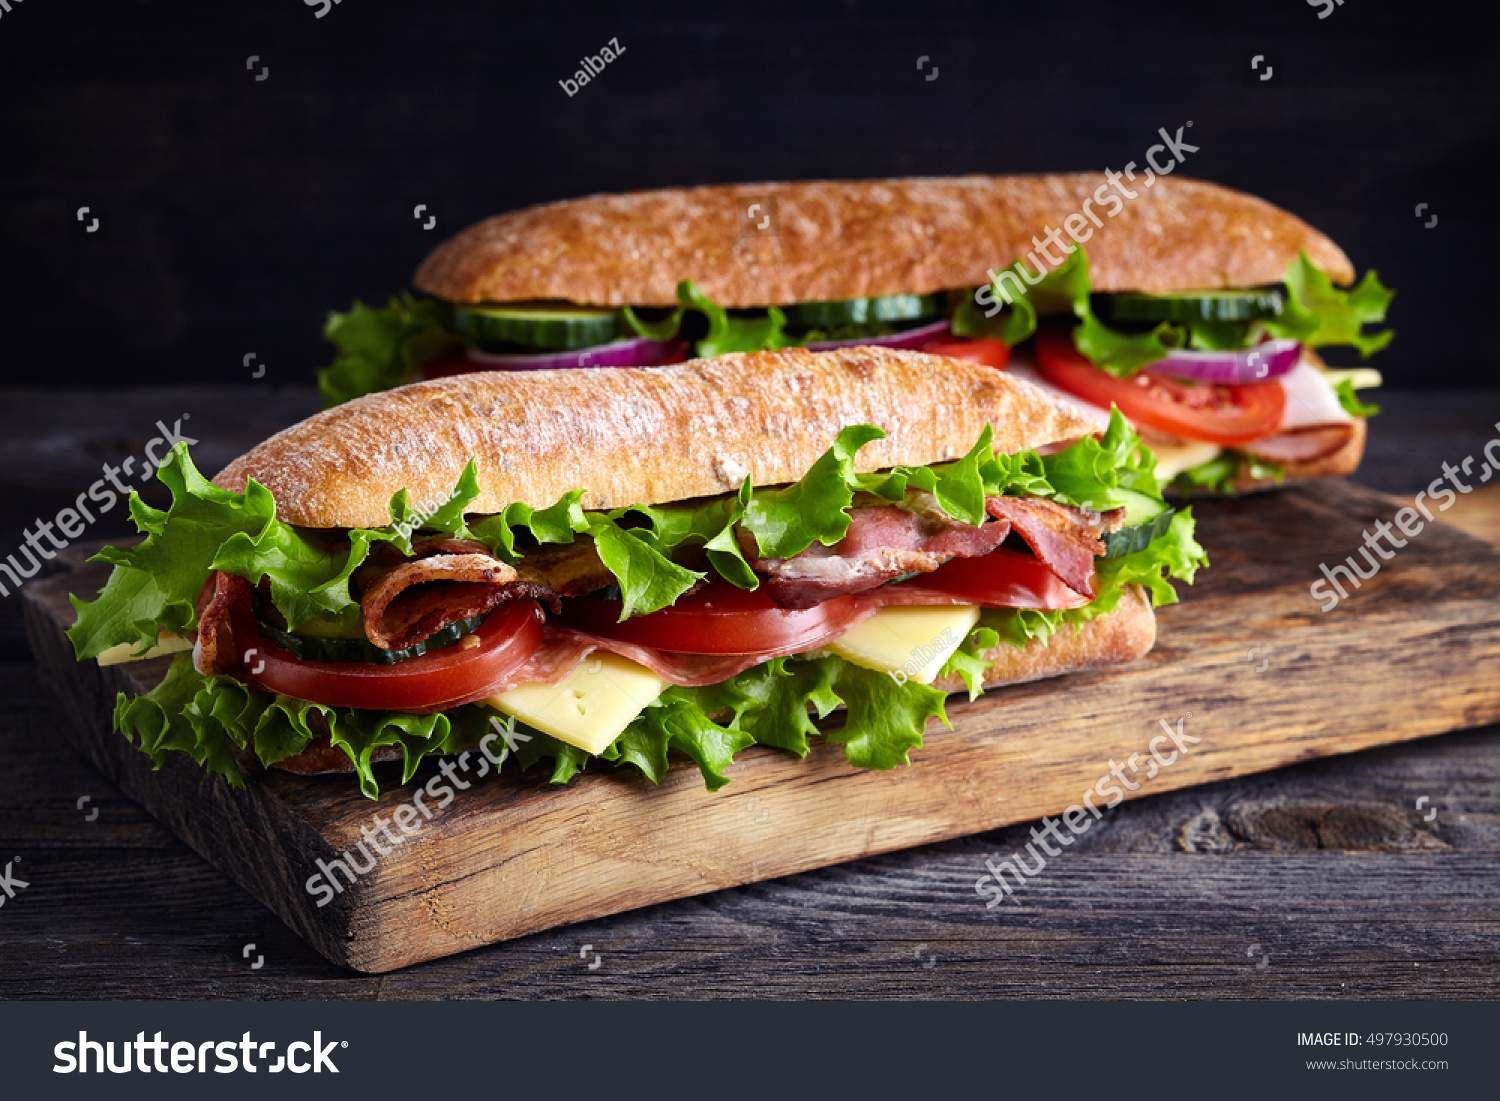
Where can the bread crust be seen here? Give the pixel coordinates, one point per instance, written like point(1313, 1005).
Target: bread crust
point(1339, 463)
point(1123, 635)
point(852, 238)
point(639, 435)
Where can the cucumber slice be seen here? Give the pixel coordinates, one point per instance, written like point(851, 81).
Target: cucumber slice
point(1191, 306)
point(534, 328)
point(1138, 506)
point(1146, 519)
point(319, 648)
point(863, 311)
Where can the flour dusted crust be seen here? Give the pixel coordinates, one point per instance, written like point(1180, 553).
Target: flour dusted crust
point(1123, 635)
point(639, 435)
point(852, 238)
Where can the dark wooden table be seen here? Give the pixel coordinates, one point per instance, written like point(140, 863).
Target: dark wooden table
point(1326, 880)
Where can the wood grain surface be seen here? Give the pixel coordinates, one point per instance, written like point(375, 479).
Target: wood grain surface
point(1413, 653)
point(1155, 902)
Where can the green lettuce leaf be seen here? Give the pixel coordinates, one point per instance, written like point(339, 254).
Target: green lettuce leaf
point(155, 584)
point(1218, 475)
point(1176, 554)
point(209, 718)
point(726, 333)
point(381, 348)
point(1318, 313)
point(1350, 400)
point(969, 662)
point(1315, 312)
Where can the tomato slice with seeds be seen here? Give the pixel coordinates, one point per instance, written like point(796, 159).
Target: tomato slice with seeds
point(1218, 413)
point(505, 640)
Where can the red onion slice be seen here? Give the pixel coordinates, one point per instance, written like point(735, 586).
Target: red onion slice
point(638, 351)
point(1265, 361)
point(911, 338)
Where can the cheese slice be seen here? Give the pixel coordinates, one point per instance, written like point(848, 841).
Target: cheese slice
point(910, 643)
point(125, 651)
point(590, 706)
point(1173, 458)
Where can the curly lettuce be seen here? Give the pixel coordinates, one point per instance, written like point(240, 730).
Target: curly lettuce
point(156, 585)
point(1314, 312)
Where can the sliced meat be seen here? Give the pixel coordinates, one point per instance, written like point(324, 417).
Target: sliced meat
point(212, 651)
point(1064, 537)
point(419, 598)
point(1301, 445)
point(882, 543)
point(568, 569)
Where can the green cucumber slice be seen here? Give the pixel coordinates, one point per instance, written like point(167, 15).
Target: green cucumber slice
point(534, 328)
point(864, 311)
point(1136, 537)
point(1190, 306)
point(1146, 518)
point(312, 648)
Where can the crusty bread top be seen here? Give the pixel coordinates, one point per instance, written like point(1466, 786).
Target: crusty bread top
point(848, 239)
point(639, 435)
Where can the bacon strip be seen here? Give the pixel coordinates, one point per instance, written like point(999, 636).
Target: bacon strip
point(1065, 538)
point(211, 650)
point(569, 569)
point(882, 543)
point(421, 597)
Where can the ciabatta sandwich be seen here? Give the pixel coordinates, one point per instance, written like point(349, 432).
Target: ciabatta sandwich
point(1196, 309)
point(697, 557)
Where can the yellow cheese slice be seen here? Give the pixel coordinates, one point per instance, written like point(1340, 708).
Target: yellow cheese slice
point(592, 704)
point(910, 643)
point(118, 655)
point(1173, 459)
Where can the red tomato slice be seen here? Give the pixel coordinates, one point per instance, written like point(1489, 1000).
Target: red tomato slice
point(718, 619)
point(1217, 412)
point(983, 350)
point(507, 638)
point(1004, 578)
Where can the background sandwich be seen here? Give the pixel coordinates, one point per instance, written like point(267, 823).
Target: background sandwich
point(1196, 310)
point(628, 562)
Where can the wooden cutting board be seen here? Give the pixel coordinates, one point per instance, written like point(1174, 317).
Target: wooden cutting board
point(1267, 678)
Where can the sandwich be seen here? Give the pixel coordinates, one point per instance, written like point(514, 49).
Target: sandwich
point(611, 565)
point(1199, 311)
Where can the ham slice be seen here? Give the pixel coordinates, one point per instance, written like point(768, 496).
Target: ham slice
point(883, 542)
point(1301, 445)
point(1313, 424)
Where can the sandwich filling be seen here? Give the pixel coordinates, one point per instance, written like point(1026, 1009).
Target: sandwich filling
point(702, 626)
point(1226, 385)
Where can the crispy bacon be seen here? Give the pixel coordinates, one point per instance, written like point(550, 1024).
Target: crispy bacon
point(568, 569)
point(882, 543)
point(211, 650)
point(1065, 538)
point(421, 597)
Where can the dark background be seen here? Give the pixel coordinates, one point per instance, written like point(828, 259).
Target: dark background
point(236, 212)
